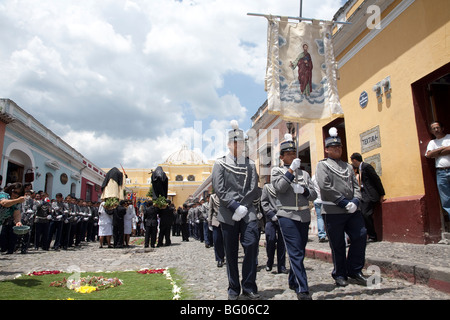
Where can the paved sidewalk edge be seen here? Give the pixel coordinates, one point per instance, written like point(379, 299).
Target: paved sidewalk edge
point(434, 277)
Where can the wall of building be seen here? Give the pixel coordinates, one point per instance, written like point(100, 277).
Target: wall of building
point(411, 46)
point(29, 145)
point(20, 151)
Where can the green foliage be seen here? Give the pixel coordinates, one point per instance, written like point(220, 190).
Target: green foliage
point(160, 202)
point(135, 286)
point(111, 203)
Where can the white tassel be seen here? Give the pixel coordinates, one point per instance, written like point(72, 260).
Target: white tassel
point(288, 137)
point(234, 124)
point(333, 132)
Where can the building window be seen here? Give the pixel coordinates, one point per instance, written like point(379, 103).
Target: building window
point(179, 178)
point(191, 177)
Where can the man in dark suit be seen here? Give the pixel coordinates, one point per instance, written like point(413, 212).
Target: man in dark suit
point(165, 223)
point(372, 192)
point(118, 224)
point(151, 224)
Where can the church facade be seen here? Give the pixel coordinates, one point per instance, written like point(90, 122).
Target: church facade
point(185, 169)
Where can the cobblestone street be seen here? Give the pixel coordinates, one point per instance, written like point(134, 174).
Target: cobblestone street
point(203, 279)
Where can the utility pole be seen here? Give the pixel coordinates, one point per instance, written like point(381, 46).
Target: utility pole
point(301, 9)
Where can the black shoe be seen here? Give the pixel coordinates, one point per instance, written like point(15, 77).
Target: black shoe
point(268, 269)
point(304, 296)
point(252, 295)
point(232, 296)
point(321, 240)
point(359, 278)
point(341, 282)
point(372, 240)
point(219, 264)
point(283, 270)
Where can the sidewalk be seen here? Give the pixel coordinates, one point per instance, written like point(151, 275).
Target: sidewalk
point(419, 264)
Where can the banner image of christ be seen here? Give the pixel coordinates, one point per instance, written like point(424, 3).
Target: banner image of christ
point(305, 65)
point(310, 93)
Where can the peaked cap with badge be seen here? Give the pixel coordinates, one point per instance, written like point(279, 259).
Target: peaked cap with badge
point(235, 134)
point(333, 139)
point(288, 144)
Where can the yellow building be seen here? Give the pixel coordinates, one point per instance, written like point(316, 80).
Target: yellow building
point(406, 58)
point(185, 169)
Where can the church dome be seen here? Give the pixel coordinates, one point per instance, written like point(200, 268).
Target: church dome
point(185, 156)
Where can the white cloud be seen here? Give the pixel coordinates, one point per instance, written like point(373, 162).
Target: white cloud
point(135, 74)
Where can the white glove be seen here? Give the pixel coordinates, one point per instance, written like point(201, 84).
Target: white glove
point(240, 212)
point(295, 164)
point(49, 217)
point(351, 207)
point(59, 217)
point(298, 188)
point(274, 218)
point(66, 221)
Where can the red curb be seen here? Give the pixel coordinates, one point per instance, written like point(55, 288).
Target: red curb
point(321, 255)
point(439, 285)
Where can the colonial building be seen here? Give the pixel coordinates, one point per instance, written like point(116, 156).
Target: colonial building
point(33, 153)
point(185, 169)
point(394, 66)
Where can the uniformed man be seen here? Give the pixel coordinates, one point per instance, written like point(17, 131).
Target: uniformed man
point(191, 220)
point(235, 181)
point(207, 233)
point(57, 221)
point(294, 190)
point(27, 220)
point(199, 220)
point(274, 239)
point(214, 225)
point(341, 196)
point(73, 219)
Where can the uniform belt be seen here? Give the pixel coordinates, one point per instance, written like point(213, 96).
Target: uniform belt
point(294, 208)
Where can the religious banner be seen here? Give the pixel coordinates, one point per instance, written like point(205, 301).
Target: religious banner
point(301, 71)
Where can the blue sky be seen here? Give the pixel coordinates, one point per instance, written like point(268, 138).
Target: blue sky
point(126, 81)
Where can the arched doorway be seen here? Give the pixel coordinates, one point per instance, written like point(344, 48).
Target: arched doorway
point(19, 161)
